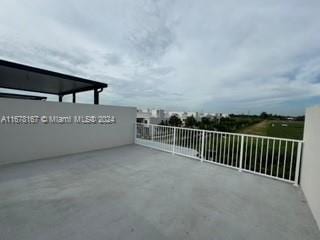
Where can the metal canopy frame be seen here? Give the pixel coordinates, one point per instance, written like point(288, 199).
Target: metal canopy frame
point(21, 96)
point(22, 77)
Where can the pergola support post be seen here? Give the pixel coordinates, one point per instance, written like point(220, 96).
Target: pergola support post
point(96, 95)
point(74, 97)
point(60, 98)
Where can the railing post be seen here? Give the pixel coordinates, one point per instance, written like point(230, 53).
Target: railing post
point(202, 146)
point(241, 153)
point(152, 130)
point(174, 140)
point(296, 176)
point(135, 132)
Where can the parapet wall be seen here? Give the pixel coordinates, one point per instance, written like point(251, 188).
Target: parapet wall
point(29, 141)
point(310, 171)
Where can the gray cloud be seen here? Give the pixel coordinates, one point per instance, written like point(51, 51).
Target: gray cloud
point(180, 55)
point(112, 59)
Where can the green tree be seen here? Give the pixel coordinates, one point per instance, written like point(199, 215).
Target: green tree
point(190, 121)
point(205, 123)
point(174, 120)
point(264, 115)
point(205, 120)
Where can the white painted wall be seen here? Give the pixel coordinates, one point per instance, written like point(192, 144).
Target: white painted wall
point(20, 143)
point(310, 171)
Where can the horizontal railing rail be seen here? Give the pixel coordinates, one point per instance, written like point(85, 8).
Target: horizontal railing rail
point(277, 158)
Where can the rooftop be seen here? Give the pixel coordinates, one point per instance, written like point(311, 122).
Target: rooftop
point(133, 192)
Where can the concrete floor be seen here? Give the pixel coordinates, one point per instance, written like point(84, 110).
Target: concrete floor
point(133, 192)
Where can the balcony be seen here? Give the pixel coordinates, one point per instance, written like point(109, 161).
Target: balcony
point(134, 192)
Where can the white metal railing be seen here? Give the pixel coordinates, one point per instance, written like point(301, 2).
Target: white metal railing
point(277, 158)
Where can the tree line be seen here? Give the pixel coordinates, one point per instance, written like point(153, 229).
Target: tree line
point(229, 124)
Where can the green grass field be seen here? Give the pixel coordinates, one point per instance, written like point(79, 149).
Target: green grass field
point(277, 128)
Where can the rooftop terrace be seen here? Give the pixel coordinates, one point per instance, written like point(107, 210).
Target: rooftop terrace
point(133, 192)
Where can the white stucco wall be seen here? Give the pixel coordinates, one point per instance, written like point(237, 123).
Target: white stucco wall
point(20, 143)
point(310, 170)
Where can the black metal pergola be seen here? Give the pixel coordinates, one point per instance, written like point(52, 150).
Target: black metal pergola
point(22, 77)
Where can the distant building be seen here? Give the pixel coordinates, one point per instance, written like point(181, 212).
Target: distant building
point(197, 116)
point(158, 113)
point(154, 116)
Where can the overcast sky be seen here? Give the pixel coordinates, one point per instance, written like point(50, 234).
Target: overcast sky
point(185, 55)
